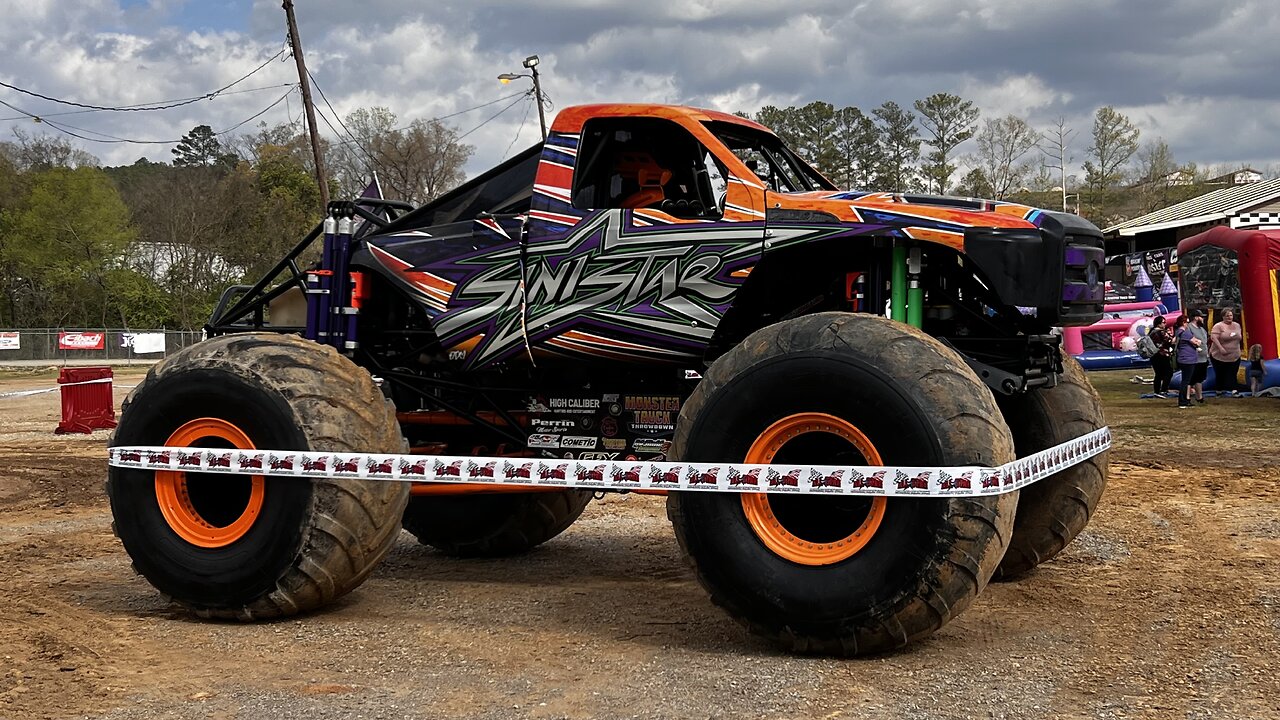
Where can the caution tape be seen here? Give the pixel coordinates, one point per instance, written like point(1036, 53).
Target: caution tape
point(41, 391)
point(624, 474)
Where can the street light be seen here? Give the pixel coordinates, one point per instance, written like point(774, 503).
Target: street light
point(531, 63)
point(1065, 195)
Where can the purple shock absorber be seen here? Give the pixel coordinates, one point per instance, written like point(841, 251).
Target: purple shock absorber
point(319, 286)
point(340, 296)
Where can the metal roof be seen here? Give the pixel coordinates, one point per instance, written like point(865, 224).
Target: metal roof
point(1217, 205)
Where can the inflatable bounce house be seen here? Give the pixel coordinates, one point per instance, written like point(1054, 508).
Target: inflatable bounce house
point(1112, 342)
point(1223, 268)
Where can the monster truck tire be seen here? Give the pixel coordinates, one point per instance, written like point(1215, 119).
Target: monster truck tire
point(492, 525)
point(246, 547)
point(1053, 511)
point(896, 394)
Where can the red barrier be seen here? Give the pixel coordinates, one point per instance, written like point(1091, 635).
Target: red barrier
point(87, 404)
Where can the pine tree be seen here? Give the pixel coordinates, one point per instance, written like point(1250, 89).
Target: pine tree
point(949, 121)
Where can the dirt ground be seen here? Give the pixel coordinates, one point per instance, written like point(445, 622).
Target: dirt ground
point(1167, 606)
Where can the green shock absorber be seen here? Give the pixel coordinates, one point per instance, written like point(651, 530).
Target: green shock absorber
point(898, 285)
point(915, 293)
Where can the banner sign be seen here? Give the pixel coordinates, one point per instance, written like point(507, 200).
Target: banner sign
point(10, 341)
point(82, 341)
point(143, 343)
point(625, 475)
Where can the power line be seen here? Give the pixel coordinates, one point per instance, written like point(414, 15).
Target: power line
point(146, 106)
point(373, 164)
point(336, 116)
point(68, 129)
point(491, 117)
point(83, 112)
point(519, 130)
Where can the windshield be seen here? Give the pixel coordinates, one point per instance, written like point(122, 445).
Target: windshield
point(772, 161)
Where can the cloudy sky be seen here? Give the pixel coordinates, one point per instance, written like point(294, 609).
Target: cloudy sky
point(1200, 75)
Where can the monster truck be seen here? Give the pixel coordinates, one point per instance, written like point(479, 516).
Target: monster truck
point(649, 282)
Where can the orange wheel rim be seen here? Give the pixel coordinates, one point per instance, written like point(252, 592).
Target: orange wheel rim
point(174, 494)
point(765, 522)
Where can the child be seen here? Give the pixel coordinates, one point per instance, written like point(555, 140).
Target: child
point(1255, 369)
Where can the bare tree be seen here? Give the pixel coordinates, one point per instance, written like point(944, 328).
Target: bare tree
point(416, 163)
point(1002, 144)
point(42, 151)
point(1055, 145)
point(1157, 172)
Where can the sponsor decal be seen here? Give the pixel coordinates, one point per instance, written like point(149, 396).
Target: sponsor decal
point(787, 481)
point(315, 464)
point(574, 405)
point(592, 474)
point(447, 470)
point(918, 481)
point(597, 456)
point(578, 442)
point(186, 459)
point(554, 474)
point(614, 443)
point(82, 341)
point(544, 441)
point(414, 468)
point(826, 482)
point(379, 466)
point(749, 478)
point(514, 471)
point(251, 461)
point(708, 477)
point(482, 471)
point(648, 413)
point(281, 462)
point(663, 476)
point(346, 465)
point(651, 445)
point(608, 426)
point(218, 460)
point(953, 482)
point(874, 480)
point(549, 425)
point(628, 474)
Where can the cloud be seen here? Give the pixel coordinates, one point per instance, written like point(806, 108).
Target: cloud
point(1182, 69)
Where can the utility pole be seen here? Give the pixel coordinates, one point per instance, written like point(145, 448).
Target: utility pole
point(537, 97)
point(306, 102)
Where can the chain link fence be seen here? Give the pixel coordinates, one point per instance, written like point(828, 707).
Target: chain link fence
point(76, 345)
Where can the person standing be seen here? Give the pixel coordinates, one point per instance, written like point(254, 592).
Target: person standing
point(1185, 353)
point(1256, 369)
point(1226, 340)
point(1202, 353)
point(1162, 361)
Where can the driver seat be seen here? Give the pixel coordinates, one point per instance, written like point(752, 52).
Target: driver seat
point(645, 172)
